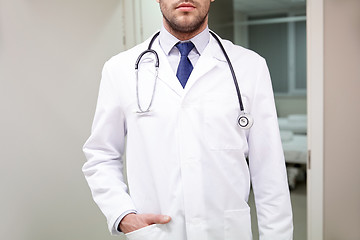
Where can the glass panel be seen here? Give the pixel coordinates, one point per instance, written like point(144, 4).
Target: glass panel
point(270, 41)
point(300, 31)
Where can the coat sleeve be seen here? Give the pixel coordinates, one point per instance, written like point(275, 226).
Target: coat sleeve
point(104, 150)
point(267, 164)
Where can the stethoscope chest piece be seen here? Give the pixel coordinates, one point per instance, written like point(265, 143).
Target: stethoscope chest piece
point(245, 121)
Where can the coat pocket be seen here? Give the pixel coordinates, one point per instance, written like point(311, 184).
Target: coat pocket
point(237, 224)
point(151, 232)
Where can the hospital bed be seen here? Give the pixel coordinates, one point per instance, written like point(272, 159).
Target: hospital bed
point(294, 141)
point(296, 123)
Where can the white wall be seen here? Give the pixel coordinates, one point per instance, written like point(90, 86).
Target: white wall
point(341, 119)
point(333, 64)
point(51, 55)
point(143, 19)
point(151, 17)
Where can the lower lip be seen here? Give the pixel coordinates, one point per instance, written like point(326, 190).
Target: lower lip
point(186, 9)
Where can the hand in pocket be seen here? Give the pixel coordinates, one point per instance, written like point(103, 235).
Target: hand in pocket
point(133, 222)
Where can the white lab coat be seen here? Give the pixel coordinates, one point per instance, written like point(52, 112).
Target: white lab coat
point(187, 157)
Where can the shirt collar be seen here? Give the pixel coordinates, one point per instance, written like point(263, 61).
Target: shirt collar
point(168, 41)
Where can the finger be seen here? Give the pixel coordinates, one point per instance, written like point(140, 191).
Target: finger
point(156, 219)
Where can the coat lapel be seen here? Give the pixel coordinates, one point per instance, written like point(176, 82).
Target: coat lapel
point(208, 60)
point(166, 73)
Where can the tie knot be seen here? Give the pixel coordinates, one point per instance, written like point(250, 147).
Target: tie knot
point(185, 48)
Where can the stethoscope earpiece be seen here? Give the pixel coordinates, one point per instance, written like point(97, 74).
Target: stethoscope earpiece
point(245, 121)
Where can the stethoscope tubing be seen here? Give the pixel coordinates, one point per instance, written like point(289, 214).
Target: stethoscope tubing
point(157, 63)
point(231, 70)
point(245, 121)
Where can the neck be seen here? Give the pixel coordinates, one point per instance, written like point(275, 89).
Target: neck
point(184, 36)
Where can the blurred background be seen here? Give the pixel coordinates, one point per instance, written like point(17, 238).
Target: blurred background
point(51, 56)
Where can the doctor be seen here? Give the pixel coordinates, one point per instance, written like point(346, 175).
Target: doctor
point(187, 171)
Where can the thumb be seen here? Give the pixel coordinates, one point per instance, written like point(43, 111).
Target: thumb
point(157, 219)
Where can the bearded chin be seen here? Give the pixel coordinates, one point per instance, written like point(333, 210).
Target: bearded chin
point(188, 28)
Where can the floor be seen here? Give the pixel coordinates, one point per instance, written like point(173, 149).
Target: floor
point(298, 200)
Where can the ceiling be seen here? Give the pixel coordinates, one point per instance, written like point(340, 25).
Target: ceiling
point(254, 6)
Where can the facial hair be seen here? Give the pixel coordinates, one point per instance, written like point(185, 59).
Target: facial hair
point(188, 28)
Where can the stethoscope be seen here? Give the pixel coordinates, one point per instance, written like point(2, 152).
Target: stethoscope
point(244, 120)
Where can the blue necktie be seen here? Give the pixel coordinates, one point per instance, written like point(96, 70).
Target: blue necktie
point(185, 67)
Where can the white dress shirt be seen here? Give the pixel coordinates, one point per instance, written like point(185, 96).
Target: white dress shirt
point(168, 42)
